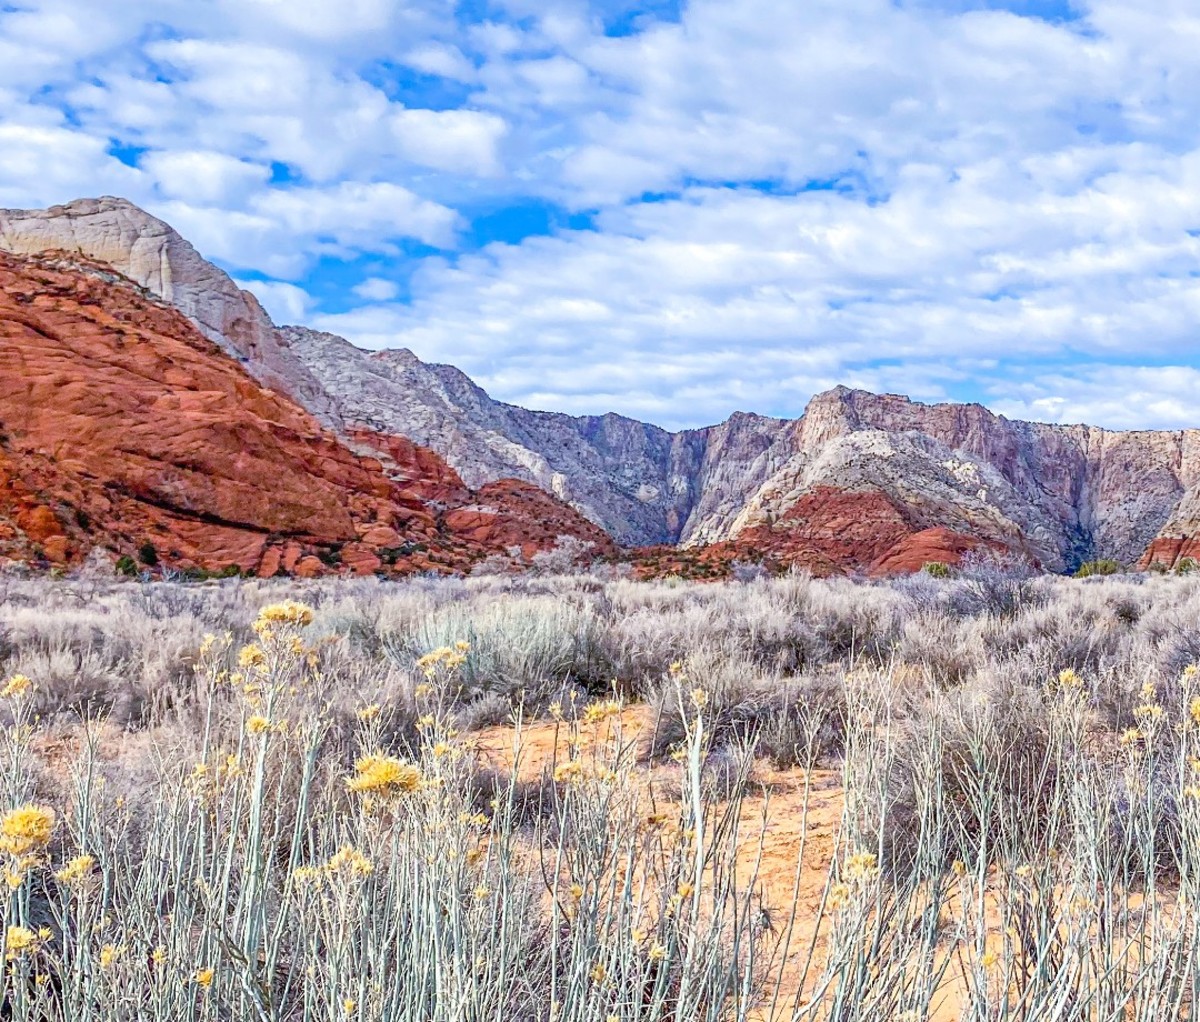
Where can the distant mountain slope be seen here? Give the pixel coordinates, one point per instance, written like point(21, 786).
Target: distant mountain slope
point(1059, 494)
point(859, 481)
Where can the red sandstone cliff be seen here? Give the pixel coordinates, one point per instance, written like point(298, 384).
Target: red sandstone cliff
point(121, 425)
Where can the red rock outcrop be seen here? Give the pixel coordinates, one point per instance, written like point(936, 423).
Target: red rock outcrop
point(1179, 539)
point(122, 426)
point(929, 546)
point(511, 513)
point(828, 530)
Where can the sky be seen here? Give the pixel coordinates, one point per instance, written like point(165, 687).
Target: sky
point(672, 209)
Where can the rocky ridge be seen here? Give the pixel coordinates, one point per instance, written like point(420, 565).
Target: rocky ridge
point(955, 475)
point(151, 254)
point(859, 481)
point(123, 427)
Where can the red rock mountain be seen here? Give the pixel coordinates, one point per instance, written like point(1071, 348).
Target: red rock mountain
point(858, 482)
point(121, 425)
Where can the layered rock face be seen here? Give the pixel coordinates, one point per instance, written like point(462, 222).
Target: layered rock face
point(151, 254)
point(122, 426)
point(633, 479)
point(933, 480)
point(858, 482)
point(1179, 539)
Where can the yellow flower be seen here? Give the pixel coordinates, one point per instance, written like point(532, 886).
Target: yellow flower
point(16, 686)
point(576, 891)
point(26, 829)
point(1194, 710)
point(862, 866)
point(839, 895)
point(287, 613)
point(369, 713)
point(257, 724)
point(75, 871)
point(251, 656)
point(959, 867)
point(1070, 680)
point(444, 657)
point(989, 959)
point(109, 955)
point(1130, 736)
point(1024, 872)
point(203, 977)
point(685, 890)
point(699, 698)
point(348, 860)
point(481, 892)
point(306, 875)
point(19, 941)
point(598, 973)
point(159, 955)
point(676, 668)
point(601, 710)
point(348, 1005)
point(657, 953)
point(384, 775)
point(1148, 711)
point(569, 772)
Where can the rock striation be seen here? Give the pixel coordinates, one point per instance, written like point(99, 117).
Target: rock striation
point(1179, 539)
point(152, 254)
point(124, 427)
point(859, 481)
point(950, 476)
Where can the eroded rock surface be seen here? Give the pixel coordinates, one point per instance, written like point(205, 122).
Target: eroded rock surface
point(123, 427)
point(153, 255)
point(858, 482)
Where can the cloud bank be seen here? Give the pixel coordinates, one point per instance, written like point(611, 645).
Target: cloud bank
point(667, 210)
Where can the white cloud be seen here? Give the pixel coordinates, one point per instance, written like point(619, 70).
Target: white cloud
point(204, 176)
point(359, 216)
point(435, 58)
point(43, 159)
point(285, 303)
point(456, 140)
point(1118, 396)
point(995, 190)
point(376, 289)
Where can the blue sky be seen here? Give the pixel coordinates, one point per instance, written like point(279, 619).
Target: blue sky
point(671, 209)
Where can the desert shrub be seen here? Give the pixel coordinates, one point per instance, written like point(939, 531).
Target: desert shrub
point(936, 569)
point(1000, 584)
point(1103, 566)
point(1001, 789)
point(526, 649)
point(747, 571)
point(568, 554)
point(1185, 566)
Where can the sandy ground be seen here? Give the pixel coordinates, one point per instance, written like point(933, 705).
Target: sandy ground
point(786, 811)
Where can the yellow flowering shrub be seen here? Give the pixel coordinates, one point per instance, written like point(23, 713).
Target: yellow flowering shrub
point(384, 776)
point(290, 612)
point(26, 829)
point(16, 686)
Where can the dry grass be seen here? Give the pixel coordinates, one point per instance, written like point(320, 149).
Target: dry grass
point(927, 799)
